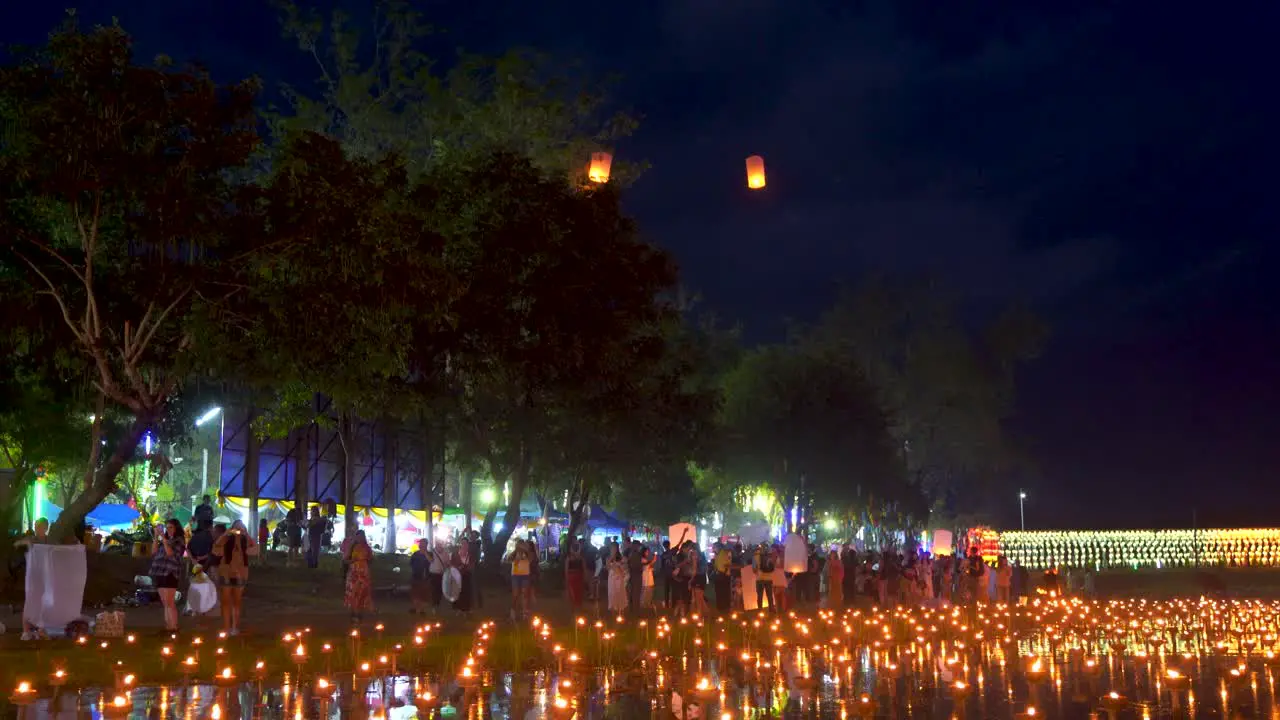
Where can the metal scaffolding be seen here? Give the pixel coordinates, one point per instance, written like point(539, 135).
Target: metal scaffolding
point(350, 461)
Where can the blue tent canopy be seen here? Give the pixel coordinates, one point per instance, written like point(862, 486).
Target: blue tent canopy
point(601, 519)
point(105, 516)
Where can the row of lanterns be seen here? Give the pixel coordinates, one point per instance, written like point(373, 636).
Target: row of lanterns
point(602, 162)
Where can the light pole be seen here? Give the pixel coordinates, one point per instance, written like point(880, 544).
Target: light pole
point(204, 453)
point(1022, 515)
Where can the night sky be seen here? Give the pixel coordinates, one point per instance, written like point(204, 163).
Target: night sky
point(1113, 168)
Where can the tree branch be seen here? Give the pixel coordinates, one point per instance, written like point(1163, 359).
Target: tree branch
point(146, 335)
point(57, 296)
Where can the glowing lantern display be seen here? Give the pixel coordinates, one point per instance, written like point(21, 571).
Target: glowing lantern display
point(598, 172)
point(755, 172)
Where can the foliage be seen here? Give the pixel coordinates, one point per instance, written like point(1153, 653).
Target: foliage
point(114, 195)
point(339, 255)
point(634, 443)
point(807, 425)
point(562, 307)
point(379, 95)
point(947, 390)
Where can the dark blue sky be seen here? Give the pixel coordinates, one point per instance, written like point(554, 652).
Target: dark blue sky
point(1112, 164)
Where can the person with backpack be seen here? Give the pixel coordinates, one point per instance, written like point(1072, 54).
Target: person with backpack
point(764, 563)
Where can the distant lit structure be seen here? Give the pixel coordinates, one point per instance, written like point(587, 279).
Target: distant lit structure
point(1249, 547)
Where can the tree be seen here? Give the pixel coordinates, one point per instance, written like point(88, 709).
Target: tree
point(44, 423)
point(946, 389)
point(114, 195)
point(807, 426)
point(380, 98)
point(345, 291)
point(379, 95)
point(632, 441)
point(559, 290)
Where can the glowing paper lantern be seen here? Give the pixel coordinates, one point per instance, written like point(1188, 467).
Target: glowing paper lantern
point(681, 533)
point(598, 172)
point(795, 556)
point(755, 172)
point(942, 542)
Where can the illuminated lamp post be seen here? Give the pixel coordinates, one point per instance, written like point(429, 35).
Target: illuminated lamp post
point(1022, 514)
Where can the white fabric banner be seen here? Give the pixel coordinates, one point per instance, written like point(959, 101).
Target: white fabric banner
point(55, 585)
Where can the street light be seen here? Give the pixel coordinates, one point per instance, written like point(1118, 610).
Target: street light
point(1022, 515)
point(209, 414)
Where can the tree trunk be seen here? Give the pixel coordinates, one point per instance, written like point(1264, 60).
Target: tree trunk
point(579, 507)
point(494, 549)
point(104, 480)
point(12, 494)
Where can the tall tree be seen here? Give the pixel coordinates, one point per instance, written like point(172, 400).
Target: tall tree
point(947, 389)
point(345, 291)
point(808, 426)
point(559, 289)
point(44, 412)
point(114, 194)
point(378, 94)
point(633, 437)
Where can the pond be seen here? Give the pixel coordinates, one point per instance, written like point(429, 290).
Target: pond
point(1053, 659)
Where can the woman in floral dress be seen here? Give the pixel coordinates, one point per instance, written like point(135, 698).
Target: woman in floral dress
point(359, 595)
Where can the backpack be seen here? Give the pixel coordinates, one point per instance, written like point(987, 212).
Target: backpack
point(766, 563)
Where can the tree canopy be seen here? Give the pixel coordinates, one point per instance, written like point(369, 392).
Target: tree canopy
point(114, 199)
point(420, 248)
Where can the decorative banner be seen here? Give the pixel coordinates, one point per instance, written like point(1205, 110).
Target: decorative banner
point(682, 532)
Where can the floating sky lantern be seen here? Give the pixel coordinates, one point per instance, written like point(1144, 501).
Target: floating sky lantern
point(598, 171)
point(755, 172)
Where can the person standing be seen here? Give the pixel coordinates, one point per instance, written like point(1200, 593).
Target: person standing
point(722, 579)
point(1004, 580)
point(439, 556)
point(264, 539)
point(646, 584)
point(835, 581)
point(666, 568)
point(359, 591)
point(575, 575)
point(293, 536)
point(520, 559)
point(419, 584)
point(635, 576)
point(166, 568)
point(233, 550)
point(617, 569)
point(316, 525)
point(763, 563)
point(203, 515)
point(464, 564)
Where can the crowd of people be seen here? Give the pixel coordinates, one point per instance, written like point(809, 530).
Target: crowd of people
point(633, 576)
